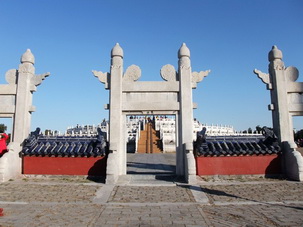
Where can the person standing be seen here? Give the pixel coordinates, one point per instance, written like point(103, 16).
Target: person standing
point(3, 147)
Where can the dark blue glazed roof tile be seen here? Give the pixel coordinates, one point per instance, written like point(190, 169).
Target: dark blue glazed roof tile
point(236, 145)
point(64, 146)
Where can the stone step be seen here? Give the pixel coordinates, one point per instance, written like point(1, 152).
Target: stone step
point(156, 150)
point(142, 143)
point(147, 179)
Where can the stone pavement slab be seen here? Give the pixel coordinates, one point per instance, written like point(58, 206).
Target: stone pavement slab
point(151, 194)
point(56, 193)
point(257, 192)
point(151, 163)
point(255, 215)
point(164, 215)
point(49, 202)
point(48, 214)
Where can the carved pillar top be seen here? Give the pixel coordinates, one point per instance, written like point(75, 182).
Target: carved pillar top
point(27, 69)
point(275, 53)
point(281, 83)
point(27, 82)
point(28, 57)
point(184, 62)
point(183, 51)
point(117, 51)
point(275, 58)
point(117, 57)
point(27, 63)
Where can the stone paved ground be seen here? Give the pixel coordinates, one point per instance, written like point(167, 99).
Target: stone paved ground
point(78, 202)
point(42, 193)
point(255, 215)
point(257, 192)
point(151, 163)
point(151, 194)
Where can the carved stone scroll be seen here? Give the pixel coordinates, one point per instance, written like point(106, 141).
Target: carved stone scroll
point(37, 79)
point(168, 73)
point(132, 73)
point(11, 76)
point(198, 77)
point(103, 77)
point(264, 77)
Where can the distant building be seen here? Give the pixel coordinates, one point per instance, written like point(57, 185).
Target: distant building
point(87, 130)
point(165, 125)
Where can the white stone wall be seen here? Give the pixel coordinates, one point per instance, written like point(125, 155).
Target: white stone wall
point(167, 129)
point(133, 128)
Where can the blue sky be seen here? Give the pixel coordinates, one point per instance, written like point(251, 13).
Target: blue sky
point(71, 38)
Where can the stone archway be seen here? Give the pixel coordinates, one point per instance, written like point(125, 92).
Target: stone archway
point(171, 96)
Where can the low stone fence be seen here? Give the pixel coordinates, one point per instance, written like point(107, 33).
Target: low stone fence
point(237, 156)
point(267, 165)
point(64, 156)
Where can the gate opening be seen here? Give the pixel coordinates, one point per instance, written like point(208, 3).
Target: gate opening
point(151, 144)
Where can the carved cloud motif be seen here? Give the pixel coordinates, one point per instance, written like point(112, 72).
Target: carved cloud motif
point(263, 76)
point(37, 79)
point(132, 73)
point(101, 76)
point(168, 73)
point(198, 76)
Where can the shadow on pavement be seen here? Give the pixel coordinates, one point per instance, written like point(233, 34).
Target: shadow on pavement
point(222, 193)
point(164, 168)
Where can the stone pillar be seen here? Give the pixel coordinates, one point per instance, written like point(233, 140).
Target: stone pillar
point(26, 71)
point(115, 162)
point(25, 81)
point(281, 118)
point(281, 83)
point(279, 106)
point(185, 152)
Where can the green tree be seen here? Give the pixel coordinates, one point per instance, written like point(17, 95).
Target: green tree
point(249, 131)
point(258, 129)
point(48, 132)
point(299, 135)
point(3, 128)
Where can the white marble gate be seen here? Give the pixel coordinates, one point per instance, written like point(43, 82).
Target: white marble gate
point(173, 96)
